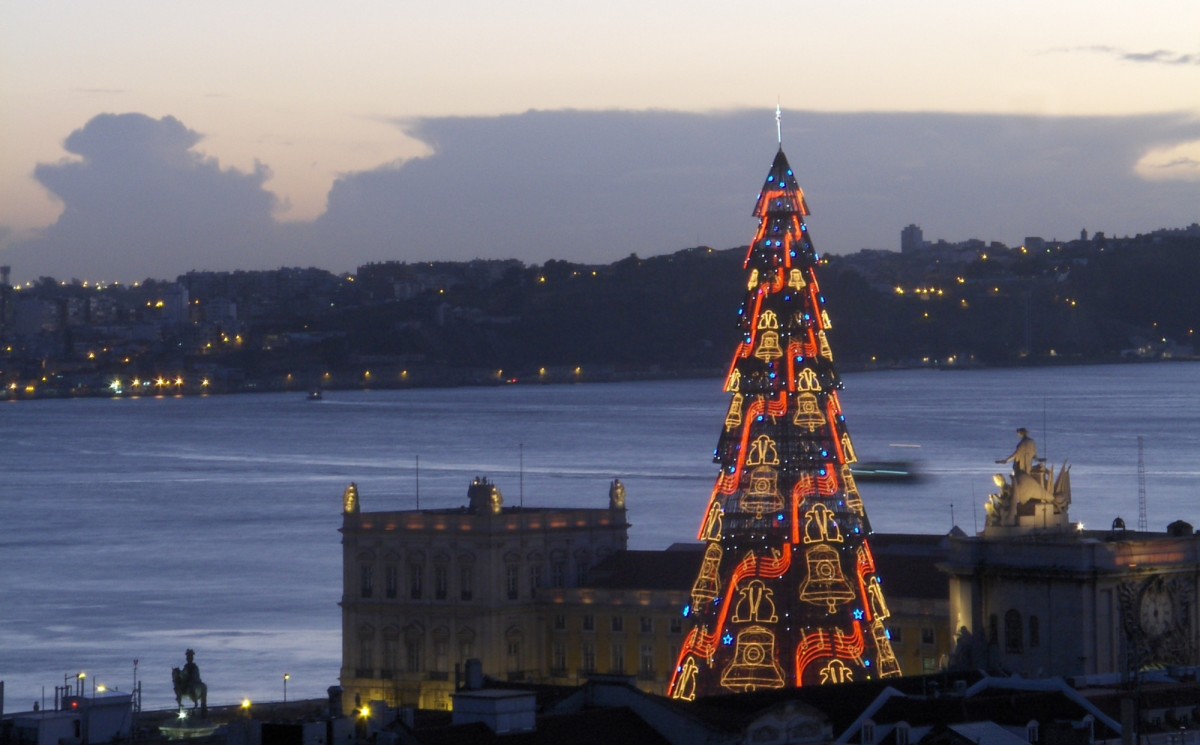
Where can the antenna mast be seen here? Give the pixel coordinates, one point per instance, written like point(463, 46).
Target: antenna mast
point(1143, 526)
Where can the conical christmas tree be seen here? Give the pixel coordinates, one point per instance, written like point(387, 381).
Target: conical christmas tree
point(787, 593)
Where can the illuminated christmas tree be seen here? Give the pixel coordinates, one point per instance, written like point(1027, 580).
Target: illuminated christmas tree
point(787, 593)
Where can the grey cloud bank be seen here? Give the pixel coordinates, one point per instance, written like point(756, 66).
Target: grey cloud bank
point(142, 200)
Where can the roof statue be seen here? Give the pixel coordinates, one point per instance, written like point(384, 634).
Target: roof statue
point(350, 499)
point(484, 497)
point(1031, 497)
point(616, 495)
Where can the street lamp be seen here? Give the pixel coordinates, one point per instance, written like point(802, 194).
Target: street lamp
point(286, 678)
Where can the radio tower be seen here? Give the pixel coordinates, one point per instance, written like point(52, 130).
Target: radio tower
point(1143, 525)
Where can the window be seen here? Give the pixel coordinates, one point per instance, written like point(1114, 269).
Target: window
point(618, 623)
point(560, 659)
point(412, 655)
point(927, 635)
point(366, 581)
point(390, 656)
point(466, 649)
point(647, 625)
point(580, 574)
point(560, 623)
point(618, 658)
point(514, 655)
point(1013, 643)
point(440, 582)
point(466, 579)
point(558, 573)
point(366, 657)
point(416, 573)
point(677, 625)
point(510, 581)
point(441, 654)
point(1035, 632)
point(391, 581)
point(589, 622)
point(647, 664)
point(535, 578)
point(589, 658)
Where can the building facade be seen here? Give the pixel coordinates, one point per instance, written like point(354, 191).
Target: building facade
point(426, 590)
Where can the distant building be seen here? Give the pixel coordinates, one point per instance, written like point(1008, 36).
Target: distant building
point(1037, 595)
point(911, 239)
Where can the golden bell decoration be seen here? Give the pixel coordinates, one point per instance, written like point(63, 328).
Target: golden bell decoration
point(823, 343)
point(763, 495)
point(713, 523)
point(796, 280)
point(808, 412)
point(685, 686)
point(735, 382)
point(733, 419)
point(825, 584)
point(889, 666)
point(708, 583)
point(754, 665)
point(768, 347)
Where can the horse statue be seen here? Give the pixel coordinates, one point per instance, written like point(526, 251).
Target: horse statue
point(196, 690)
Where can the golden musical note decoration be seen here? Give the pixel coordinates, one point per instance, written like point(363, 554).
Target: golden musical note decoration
point(708, 583)
point(754, 665)
point(755, 604)
point(826, 583)
point(733, 419)
point(821, 525)
point(762, 452)
point(836, 671)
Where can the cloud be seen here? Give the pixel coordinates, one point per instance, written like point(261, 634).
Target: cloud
point(140, 201)
point(594, 186)
point(1157, 57)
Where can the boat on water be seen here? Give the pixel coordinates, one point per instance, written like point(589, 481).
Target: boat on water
point(884, 470)
point(314, 394)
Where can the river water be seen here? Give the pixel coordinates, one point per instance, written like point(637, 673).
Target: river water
point(133, 529)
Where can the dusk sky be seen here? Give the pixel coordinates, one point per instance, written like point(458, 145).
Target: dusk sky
point(148, 138)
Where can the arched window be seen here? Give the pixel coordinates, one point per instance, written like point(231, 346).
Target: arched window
point(1013, 643)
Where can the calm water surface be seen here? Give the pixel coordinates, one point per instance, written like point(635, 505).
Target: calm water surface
point(134, 529)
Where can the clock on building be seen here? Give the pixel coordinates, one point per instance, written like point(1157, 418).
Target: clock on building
point(1156, 609)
